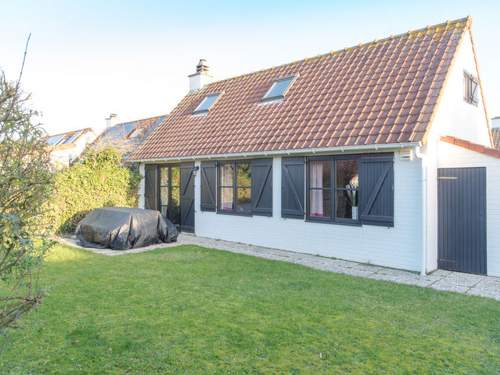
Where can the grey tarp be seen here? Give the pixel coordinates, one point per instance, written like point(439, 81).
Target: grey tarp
point(124, 228)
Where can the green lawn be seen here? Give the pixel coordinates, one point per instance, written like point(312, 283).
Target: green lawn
point(195, 310)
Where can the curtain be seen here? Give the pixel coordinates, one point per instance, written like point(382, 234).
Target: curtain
point(227, 192)
point(316, 195)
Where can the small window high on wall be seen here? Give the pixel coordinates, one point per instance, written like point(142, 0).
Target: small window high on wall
point(471, 89)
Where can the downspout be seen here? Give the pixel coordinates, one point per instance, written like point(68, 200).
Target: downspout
point(423, 158)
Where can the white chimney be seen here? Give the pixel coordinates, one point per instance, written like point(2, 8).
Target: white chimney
point(201, 78)
point(111, 120)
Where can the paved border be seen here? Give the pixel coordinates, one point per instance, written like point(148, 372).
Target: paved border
point(485, 286)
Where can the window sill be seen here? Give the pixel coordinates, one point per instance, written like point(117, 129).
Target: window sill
point(350, 223)
point(233, 213)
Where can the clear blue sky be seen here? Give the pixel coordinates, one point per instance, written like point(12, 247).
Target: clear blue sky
point(90, 58)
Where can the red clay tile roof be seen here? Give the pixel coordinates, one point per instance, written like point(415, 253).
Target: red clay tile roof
point(496, 137)
point(472, 146)
point(382, 92)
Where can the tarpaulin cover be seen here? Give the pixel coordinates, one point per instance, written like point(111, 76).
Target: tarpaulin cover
point(124, 228)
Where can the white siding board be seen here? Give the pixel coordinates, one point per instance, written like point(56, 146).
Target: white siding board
point(398, 247)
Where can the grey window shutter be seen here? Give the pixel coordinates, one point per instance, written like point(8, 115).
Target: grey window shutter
point(292, 187)
point(262, 187)
point(208, 185)
point(151, 200)
point(376, 190)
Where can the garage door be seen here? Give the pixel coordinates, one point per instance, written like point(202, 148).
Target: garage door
point(462, 219)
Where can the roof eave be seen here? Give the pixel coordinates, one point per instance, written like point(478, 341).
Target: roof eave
point(304, 151)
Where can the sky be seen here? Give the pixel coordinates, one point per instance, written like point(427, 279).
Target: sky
point(87, 59)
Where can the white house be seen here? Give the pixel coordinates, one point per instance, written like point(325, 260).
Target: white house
point(380, 153)
point(67, 147)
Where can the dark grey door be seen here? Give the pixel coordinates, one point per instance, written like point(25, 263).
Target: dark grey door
point(462, 219)
point(187, 197)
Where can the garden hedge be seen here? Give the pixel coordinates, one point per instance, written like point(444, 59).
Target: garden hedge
point(98, 180)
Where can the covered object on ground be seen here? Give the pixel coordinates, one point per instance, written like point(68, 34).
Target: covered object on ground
point(121, 228)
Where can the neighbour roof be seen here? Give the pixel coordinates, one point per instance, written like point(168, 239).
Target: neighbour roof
point(495, 132)
point(127, 136)
point(66, 139)
point(472, 146)
point(382, 92)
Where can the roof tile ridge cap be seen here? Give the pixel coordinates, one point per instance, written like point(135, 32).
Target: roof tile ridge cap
point(71, 132)
point(342, 50)
point(141, 119)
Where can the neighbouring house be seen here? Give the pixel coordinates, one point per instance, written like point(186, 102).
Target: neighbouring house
point(495, 131)
point(379, 153)
point(126, 136)
point(67, 147)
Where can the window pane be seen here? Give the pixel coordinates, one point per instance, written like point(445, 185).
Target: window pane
point(163, 176)
point(73, 137)
point(226, 175)
point(320, 203)
point(319, 173)
point(55, 139)
point(226, 198)
point(176, 176)
point(278, 88)
point(206, 103)
point(244, 175)
point(164, 195)
point(347, 202)
point(347, 174)
point(244, 200)
point(173, 207)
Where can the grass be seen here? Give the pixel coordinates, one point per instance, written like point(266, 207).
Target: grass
point(194, 310)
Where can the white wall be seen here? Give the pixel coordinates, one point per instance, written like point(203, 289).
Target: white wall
point(454, 115)
point(451, 156)
point(64, 156)
point(398, 247)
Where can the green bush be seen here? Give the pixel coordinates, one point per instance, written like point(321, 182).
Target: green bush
point(98, 180)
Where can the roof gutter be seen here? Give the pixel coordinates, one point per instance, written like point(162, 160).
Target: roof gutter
point(322, 150)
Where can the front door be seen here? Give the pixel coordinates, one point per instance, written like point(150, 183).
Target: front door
point(462, 219)
point(177, 195)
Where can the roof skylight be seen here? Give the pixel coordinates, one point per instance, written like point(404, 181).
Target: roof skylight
point(206, 103)
point(73, 137)
point(278, 89)
point(55, 139)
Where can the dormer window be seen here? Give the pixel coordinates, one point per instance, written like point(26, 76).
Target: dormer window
point(278, 89)
point(207, 103)
point(471, 89)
